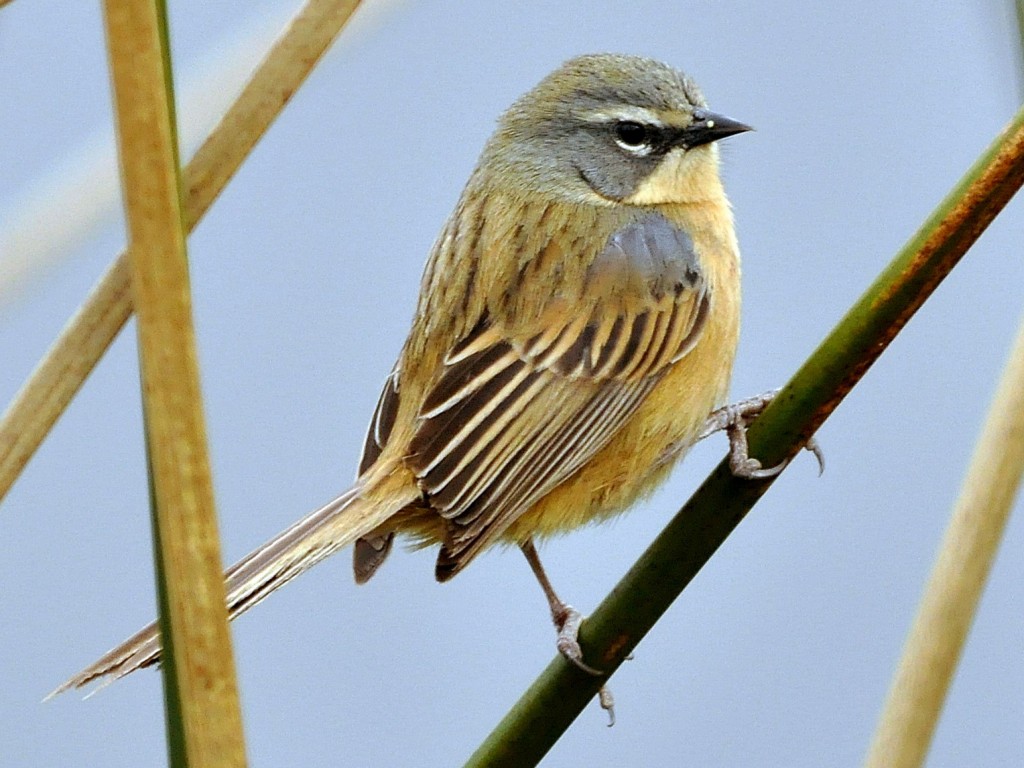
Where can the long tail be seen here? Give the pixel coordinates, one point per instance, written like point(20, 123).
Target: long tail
point(320, 534)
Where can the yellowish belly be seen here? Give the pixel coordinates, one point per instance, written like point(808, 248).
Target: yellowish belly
point(675, 411)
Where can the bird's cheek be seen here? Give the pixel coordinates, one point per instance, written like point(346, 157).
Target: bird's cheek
point(683, 176)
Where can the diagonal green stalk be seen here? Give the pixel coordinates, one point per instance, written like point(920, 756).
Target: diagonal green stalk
point(559, 694)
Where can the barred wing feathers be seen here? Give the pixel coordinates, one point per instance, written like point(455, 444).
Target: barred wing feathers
point(517, 410)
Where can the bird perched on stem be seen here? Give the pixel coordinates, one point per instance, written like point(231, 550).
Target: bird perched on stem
point(576, 327)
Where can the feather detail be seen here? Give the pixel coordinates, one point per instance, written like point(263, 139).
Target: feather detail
point(313, 538)
point(520, 405)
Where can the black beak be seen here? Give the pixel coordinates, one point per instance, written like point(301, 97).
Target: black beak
point(708, 127)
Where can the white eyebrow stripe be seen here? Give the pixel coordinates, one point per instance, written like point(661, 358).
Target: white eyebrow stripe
point(627, 112)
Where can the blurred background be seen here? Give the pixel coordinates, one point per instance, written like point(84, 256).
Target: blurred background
point(304, 275)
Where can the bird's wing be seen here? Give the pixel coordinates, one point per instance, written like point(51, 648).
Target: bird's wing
point(516, 410)
point(381, 423)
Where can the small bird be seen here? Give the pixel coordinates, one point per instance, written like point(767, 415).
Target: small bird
point(576, 327)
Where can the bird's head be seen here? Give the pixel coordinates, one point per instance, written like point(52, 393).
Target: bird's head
point(611, 129)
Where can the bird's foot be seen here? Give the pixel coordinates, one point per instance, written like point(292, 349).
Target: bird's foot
point(734, 420)
point(567, 622)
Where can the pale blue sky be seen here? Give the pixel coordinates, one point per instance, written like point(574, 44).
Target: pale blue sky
point(305, 273)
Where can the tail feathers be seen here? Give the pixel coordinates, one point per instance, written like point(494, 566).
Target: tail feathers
point(369, 554)
point(320, 534)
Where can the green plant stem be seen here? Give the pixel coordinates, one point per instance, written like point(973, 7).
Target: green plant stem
point(609, 635)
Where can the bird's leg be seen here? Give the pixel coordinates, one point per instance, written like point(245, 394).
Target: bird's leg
point(567, 622)
point(734, 419)
point(567, 619)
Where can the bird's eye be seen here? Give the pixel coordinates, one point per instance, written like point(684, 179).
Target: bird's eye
point(632, 136)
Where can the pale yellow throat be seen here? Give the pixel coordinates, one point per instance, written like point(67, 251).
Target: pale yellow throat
point(681, 177)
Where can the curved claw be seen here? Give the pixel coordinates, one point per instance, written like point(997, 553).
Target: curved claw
point(568, 643)
point(568, 623)
point(813, 446)
point(751, 469)
point(734, 419)
point(604, 696)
